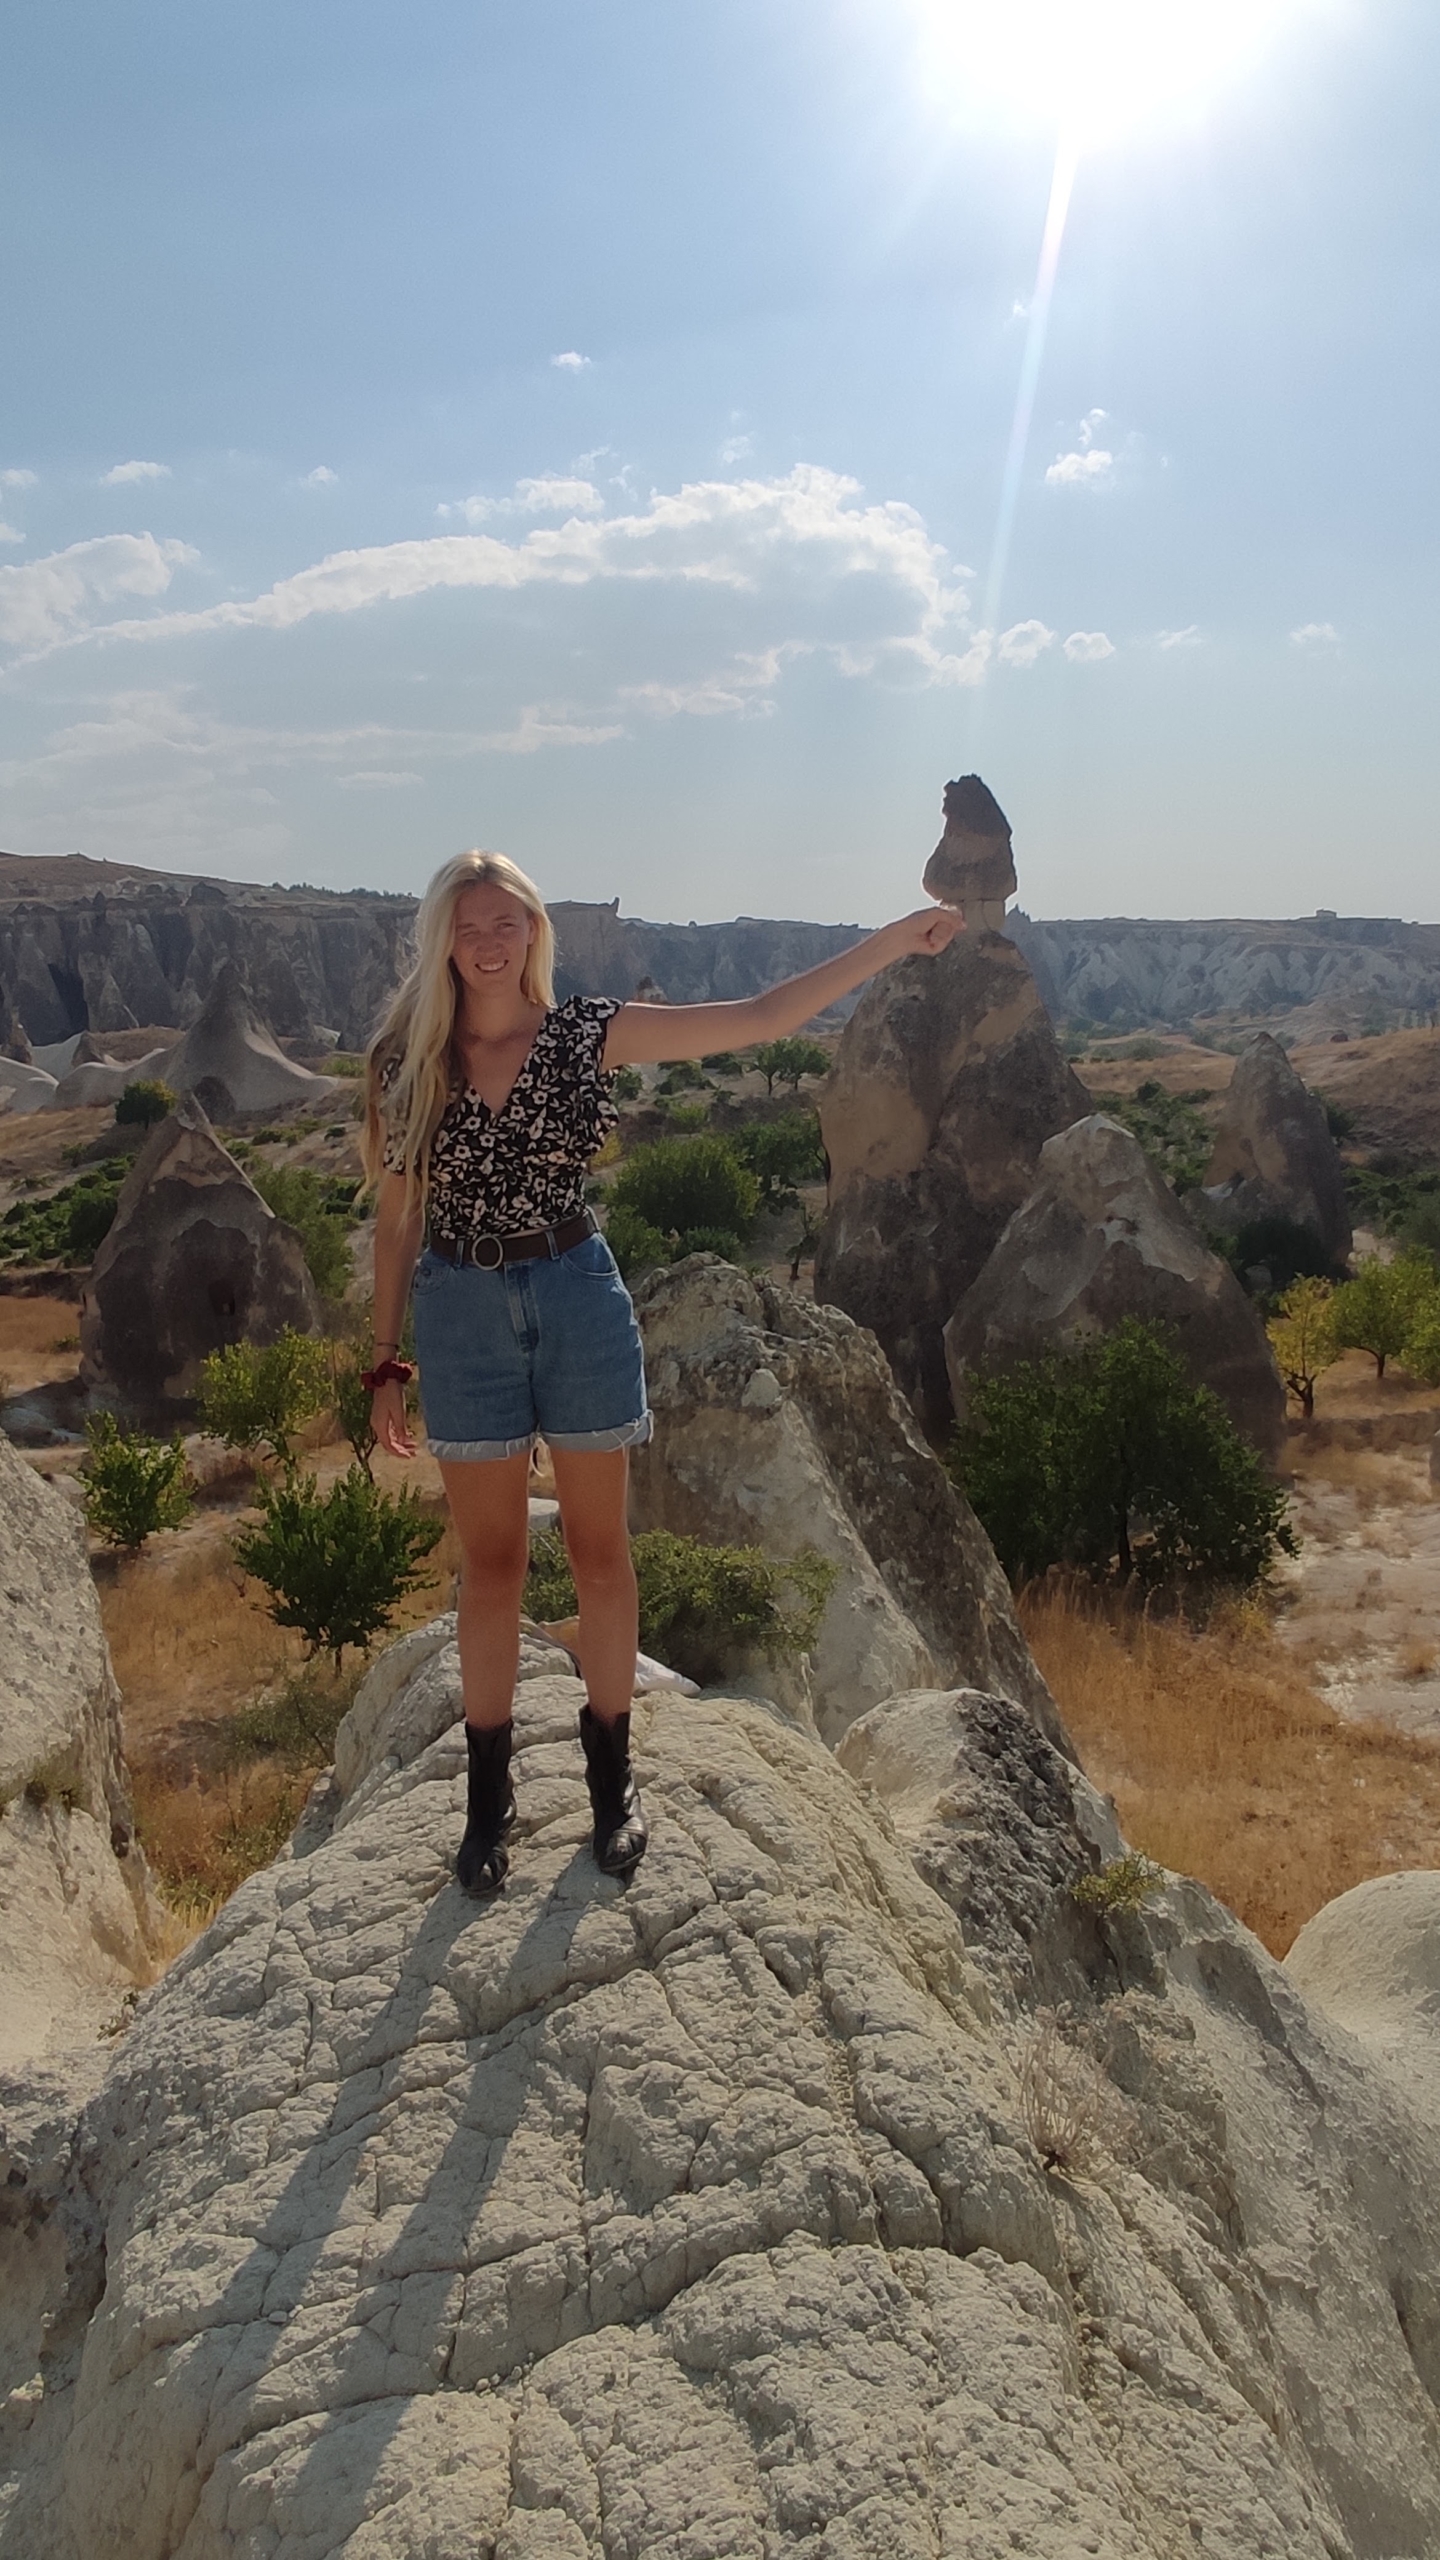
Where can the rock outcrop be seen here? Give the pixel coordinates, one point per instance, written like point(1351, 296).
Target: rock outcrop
point(230, 1060)
point(1102, 1237)
point(779, 1425)
point(79, 1914)
point(731, 2212)
point(947, 1083)
point(92, 1080)
point(972, 866)
point(1274, 1156)
point(23, 1087)
point(1313, 975)
point(193, 1260)
point(1371, 1961)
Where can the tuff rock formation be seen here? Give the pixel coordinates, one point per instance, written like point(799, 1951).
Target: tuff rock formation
point(1274, 1156)
point(972, 866)
point(1102, 1237)
point(1371, 1961)
point(230, 1060)
point(79, 1917)
point(24, 1087)
point(194, 1260)
point(743, 2210)
point(947, 1083)
point(779, 1425)
point(90, 1080)
point(1312, 975)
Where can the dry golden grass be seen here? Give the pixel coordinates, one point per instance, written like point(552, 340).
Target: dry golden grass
point(32, 1333)
point(1376, 1478)
point(1417, 1658)
point(1224, 1764)
point(37, 1141)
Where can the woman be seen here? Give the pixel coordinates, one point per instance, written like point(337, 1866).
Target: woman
point(486, 1101)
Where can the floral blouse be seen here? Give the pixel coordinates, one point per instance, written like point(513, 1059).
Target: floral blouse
point(507, 1172)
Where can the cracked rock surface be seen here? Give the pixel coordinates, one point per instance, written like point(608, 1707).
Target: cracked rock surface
point(703, 2216)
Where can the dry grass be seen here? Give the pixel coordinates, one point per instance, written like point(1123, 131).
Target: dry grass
point(1224, 1764)
point(1375, 1478)
point(36, 1142)
point(1417, 1659)
point(39, 1340)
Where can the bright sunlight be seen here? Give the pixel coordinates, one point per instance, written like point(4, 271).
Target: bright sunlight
point(1096, 68)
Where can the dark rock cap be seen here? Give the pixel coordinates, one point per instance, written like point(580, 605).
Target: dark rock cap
point(972, 866)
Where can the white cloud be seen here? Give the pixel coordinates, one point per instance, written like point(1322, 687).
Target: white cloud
point(538, 727)
point(740, 687)
point(1190, 638)
point(1023, 643)
point(379, 780)
point(125, 472)
point(1089, 469)
point(47, 601)
point(571, 362)
point(1316, 635)
point(737, 449)
point(1084, 647)
point(550, 495)
point(10, 533)
point(322, 477)
point(17, 479)
point(1092, 421)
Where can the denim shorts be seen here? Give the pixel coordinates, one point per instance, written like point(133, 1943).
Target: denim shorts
point(548, 1348)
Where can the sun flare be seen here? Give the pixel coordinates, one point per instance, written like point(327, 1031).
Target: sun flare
point(1095, 68)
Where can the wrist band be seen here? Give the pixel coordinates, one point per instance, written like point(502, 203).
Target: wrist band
point(402, 1371)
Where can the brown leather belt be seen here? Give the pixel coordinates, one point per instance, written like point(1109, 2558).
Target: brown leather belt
point(490, 1253)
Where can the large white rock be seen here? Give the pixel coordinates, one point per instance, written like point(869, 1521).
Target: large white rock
point(76, 1910)
point(701, 2217)
point(24, 1088)
point(778, 1424)
point(1371, 1960)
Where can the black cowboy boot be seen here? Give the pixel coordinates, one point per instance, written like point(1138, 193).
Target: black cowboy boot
point(621, 1830)
point(483, 1861)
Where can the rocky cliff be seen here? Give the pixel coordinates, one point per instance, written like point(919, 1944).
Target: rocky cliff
point(1317, 974)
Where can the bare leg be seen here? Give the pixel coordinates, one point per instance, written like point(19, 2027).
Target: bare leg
point(488, 1504)
point(591, 1485)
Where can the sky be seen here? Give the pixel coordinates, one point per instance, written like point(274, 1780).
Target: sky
point(588, 428)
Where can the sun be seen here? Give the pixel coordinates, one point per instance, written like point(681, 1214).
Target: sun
point(1093, 68)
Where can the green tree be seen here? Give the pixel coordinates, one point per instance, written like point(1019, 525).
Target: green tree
point(636, 1245)
point(1302, 1337)
point(1170, 1127)
point(1420, 1353)
point(133, 1485)
point(320, 1209)
point(260, 1395)
point(337, 1565)
point(627, 1084)
point(680, 1184)
point(782, 1154)
point(685, 1075)
point(702, 1608)
point(789, 1060)
point(1107, 1458)
point(143, 1103)
point(72, 1224)
point(1379, 1309)
point(352, 1401)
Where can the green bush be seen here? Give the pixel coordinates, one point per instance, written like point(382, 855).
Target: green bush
point(679, 1184)
point(684, 1116)
point(71, 1225)
point(702, 1608)
point(710, 1240)
point(781, 1154)
point(133, 1485)
point(1280, 1246)
point(1170, 1127)
point(627, 1084)
point(1381, 1307)
point(260, 1395)
point(789, 1060)
point(143, 1103)
point(298, 1721)
point(636, 1245)
point(344, 1062)
point(1108, 1459)
point(686, 1075)
point(337, 1565)
point(724, 1063)
point(1420, 1352)
point(320, 1208)
point(1124, 1884)
point(1404, 1204)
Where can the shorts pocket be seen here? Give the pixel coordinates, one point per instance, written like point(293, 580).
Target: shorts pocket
point(430, 1270)
point(592, 1259)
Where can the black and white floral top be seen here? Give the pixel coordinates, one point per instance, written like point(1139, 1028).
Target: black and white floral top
point(507, 1172)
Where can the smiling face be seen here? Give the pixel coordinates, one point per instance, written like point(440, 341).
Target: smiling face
point(490, 939)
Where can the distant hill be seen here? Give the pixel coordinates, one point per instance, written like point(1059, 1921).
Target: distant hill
point(1310, 977)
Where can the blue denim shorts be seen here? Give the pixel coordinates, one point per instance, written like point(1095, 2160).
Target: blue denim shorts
point(547, 1348)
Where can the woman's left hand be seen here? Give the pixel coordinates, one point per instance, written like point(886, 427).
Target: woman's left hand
point(928, 930)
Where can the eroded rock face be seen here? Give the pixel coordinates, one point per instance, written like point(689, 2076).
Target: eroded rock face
point(779, 1425)
point(1274, 1156)
point(78, 1912)
point(230, 1059)
point(703, 2216)
point(1371, 1961)
point(194, 1260)
point(947, 1083)
point(1102, 1237)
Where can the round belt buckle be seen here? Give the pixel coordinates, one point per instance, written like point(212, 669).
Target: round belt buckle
point(487, 1253)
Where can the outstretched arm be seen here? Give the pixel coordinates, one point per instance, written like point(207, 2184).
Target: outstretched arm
point(643, 1034)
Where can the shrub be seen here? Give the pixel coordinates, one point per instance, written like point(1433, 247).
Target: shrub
point(686, 1075)
point(627, 1084)
point(320, 1208)
point(133, 1485)
point(298, 1721)
point(1172, 1130)
point(701, 1607)
point(782, 1154)
point(1381, 1307)
point(1107, 1458)
point(684, 1183)
point(1420, 1353)
point(143, 1103)
point(789, 1060)
point(710, 1240)
point(344, 1062)
point(1339, 1121)
point(1280, 1247)
point(1302, 1337)
point(636, 1245)
point(259, 1395)
point(352, 1401)
point(725, 1063)
point(684, 1115)
point(71, 1225)
point(337, 1565)
point(1124, 1884)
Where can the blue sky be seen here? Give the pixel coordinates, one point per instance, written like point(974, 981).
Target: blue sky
point(580, 428)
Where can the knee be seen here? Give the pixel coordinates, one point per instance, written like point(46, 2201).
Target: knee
point(600, 1562)
point(498, 1567)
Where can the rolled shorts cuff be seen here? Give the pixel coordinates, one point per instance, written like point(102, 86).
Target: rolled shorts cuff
point(452, 1450)
point(626, 1435)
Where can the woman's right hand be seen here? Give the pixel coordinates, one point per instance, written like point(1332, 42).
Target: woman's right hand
point(389, 1422)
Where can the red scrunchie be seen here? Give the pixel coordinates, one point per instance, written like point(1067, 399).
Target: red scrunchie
point(402, 1371)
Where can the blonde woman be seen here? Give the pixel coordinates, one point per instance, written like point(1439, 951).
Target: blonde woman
point(486, 1101)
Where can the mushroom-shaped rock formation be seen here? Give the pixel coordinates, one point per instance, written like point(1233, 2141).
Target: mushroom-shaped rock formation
point(194, 1260)
point(947, 1082)
point(79, 1914)
point(1102, 1237)
point(779, 1425)
point(1274, 1156)
point(232, 1061)
point(733, 2211)
point(972, 866)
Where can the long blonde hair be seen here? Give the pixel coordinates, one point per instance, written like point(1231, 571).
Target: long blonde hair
point(410, 1066)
